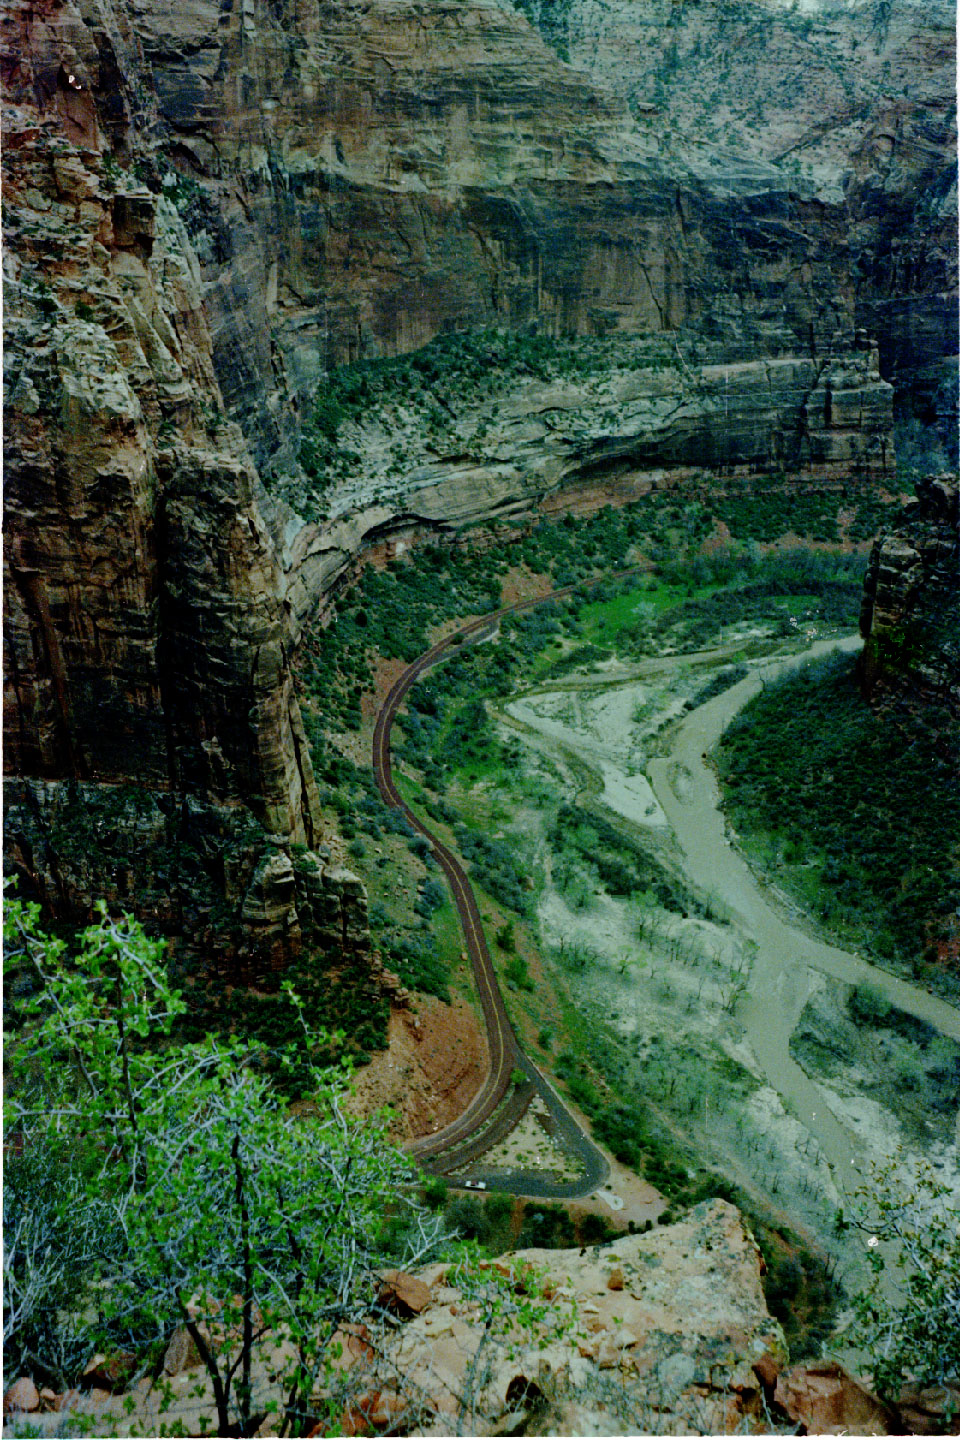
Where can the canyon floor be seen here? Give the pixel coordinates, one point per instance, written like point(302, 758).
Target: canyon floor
point(708, 1004)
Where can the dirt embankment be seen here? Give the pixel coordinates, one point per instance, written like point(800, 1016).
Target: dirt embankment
point(436, 1062)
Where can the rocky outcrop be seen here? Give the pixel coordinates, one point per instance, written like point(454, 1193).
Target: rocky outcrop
point(849, 105)
point(665, 1333)
point(659, 1333)
point(826, 1401)
point(910, 617)
point(653, 415)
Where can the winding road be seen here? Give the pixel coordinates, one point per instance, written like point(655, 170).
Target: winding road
point(686, 789)
point(460, 1143)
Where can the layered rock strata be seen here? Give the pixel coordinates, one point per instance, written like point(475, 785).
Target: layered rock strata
point(153, 741)
point(851, 103)
point(206, 207)
point(357, 178)
point(910, 617)
point(658, 415)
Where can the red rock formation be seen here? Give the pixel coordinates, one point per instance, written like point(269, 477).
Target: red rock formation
point(149, 714)
point(825, 1400)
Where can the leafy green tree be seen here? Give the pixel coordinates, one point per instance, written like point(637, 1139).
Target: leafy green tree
point(159, 1186)
point(907, 1319)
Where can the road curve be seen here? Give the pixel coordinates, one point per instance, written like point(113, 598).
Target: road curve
point(457, 1143)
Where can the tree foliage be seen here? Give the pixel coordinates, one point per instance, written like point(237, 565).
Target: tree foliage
point(154, 1186)
point(907, 1318)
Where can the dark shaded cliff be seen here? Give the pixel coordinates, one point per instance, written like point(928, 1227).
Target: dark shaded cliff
point(153, 744)
point(910, 619)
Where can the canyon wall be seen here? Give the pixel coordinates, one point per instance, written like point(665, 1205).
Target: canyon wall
point(153, 743)
point(357, 178)
point(910, 618)
point(851, 103)
point(206, 206)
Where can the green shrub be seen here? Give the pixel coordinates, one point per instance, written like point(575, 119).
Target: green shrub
point(868, 1005)
point(435, 1192)
point(868, 797)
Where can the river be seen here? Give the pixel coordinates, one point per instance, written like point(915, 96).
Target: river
point(680, 790)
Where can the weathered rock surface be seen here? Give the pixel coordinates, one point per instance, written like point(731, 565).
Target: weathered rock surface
point(206, 207)
point(22, 1396)
point(826, 1401)
point(851, 103)
point(653, 416)
point(680, 1349)
point(151, 730)
point(910, 618)
point(355, 179)
point(669, 1348)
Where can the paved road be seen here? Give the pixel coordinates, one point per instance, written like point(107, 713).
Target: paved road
point(458, 1144)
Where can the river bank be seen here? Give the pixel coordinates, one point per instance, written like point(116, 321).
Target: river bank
point(708, 1002)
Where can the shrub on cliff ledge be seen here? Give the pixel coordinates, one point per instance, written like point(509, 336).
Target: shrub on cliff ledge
point(155, 1186)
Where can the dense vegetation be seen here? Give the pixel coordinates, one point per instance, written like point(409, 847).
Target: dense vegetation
point(344, 1010)
point(499, 1222)
point(418, 400)
point(859, 811)
point(158, 1186)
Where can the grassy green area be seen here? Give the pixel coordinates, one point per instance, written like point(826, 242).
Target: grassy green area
point(858, 812)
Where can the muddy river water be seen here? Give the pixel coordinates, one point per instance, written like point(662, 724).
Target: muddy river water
point(786, 955)
point(678, 791)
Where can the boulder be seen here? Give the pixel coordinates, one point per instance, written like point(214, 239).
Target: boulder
point(403, 1294)
point(827, 1401)
point(181, 1353)
point(767, 1371)
point(934, 1411)
point(112, 1373)
point(22, 1395)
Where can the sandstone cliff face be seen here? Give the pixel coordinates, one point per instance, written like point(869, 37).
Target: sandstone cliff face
point(910, 618)
point(149, 711)
point(850, 103)
point(653, 414)
point(206, 208)
point(368, 175)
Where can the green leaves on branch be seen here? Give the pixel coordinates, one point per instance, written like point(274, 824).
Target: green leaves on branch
point(907, 1319)
point(157, 1186)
